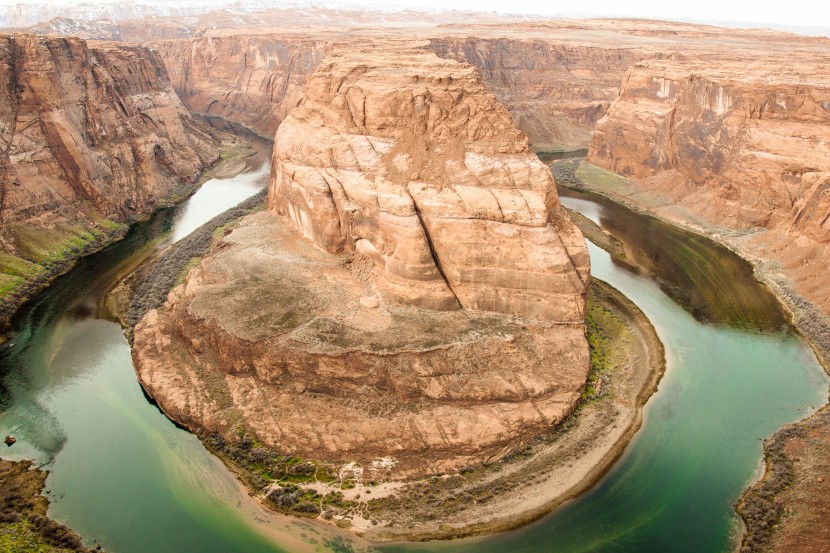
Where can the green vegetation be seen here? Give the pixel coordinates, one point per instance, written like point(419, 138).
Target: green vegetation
point(24, 526)
point(280, 476)
point(43, 253)
point(605, 329)
point(47, 246)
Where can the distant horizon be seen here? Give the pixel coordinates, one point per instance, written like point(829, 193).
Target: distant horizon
point(809, 17)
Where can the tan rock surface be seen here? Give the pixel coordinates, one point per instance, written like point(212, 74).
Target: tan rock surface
point(274, 333)
point(412, 163)
point(421, 198)
point(91, 134)
point(737, 145)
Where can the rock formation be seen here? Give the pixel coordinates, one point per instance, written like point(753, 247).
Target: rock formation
point(91, 135)
point(247, 78)
point(556, 78)
point(418, 304)
point(433, 183)
point(556, 91)
point(736, 147)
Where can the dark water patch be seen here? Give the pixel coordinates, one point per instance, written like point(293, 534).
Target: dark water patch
point(709, 281)
point(549, 157)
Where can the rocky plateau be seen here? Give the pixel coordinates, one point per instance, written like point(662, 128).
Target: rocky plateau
point(412, 301)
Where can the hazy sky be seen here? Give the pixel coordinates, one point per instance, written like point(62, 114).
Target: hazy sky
point(811, 13)
point(786, 12)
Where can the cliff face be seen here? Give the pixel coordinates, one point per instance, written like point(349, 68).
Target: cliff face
point(556, 78)
point(739, 147)
point(438, 322)
point(252, 79)
point(415, 165)
point(556, 92)
point(91, 135)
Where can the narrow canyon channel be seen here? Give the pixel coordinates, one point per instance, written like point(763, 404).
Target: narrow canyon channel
point(123, 476)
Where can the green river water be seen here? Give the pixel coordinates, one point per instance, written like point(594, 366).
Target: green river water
point(123, 476)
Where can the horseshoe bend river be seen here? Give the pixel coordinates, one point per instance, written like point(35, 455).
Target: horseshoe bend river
point(124, 476)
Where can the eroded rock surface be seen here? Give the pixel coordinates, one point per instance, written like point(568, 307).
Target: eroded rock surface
point(91, 135)
point(96, 124)
point(417, 305)
point(412, 163)
point(736, 147)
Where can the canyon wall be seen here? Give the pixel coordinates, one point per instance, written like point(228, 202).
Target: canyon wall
point(556, 92)
point(735, 146)
point(413, 301)
point(251, 79)
point(92, 135)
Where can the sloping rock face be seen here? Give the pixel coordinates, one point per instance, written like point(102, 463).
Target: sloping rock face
point(97, 124)
point(737, 147)
point(418, 304)
point(251, 79)
point(556, 92)
point(91, 135)
point(415, 165)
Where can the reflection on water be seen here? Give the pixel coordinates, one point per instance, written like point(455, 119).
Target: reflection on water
point(213, 198)
point(709, 281)
point(548, 157)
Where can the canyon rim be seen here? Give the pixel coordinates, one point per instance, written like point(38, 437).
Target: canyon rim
point(403, 339)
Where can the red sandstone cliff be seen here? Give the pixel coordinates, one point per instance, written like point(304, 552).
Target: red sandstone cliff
point(252, 79)
point(736, 146)
point(91, 134)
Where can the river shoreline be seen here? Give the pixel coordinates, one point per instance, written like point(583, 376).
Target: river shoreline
point(231, 162)
point(627, 365)
point(566, 464)
point(23, 513)
point(764, 502)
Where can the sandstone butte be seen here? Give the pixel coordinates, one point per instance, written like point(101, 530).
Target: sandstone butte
point(92, 135)
point(412, 301)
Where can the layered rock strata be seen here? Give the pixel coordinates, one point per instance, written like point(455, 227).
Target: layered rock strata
point(250, 79)
point(735, 147)
point(416, 166)
point(556, 78)
point(555, 91)
point(416, 306)
point(91, 135)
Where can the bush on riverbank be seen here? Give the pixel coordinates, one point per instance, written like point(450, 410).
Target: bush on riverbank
point(24, 525)
point(166, 272)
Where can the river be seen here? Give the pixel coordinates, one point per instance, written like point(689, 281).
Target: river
point(123, 476)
